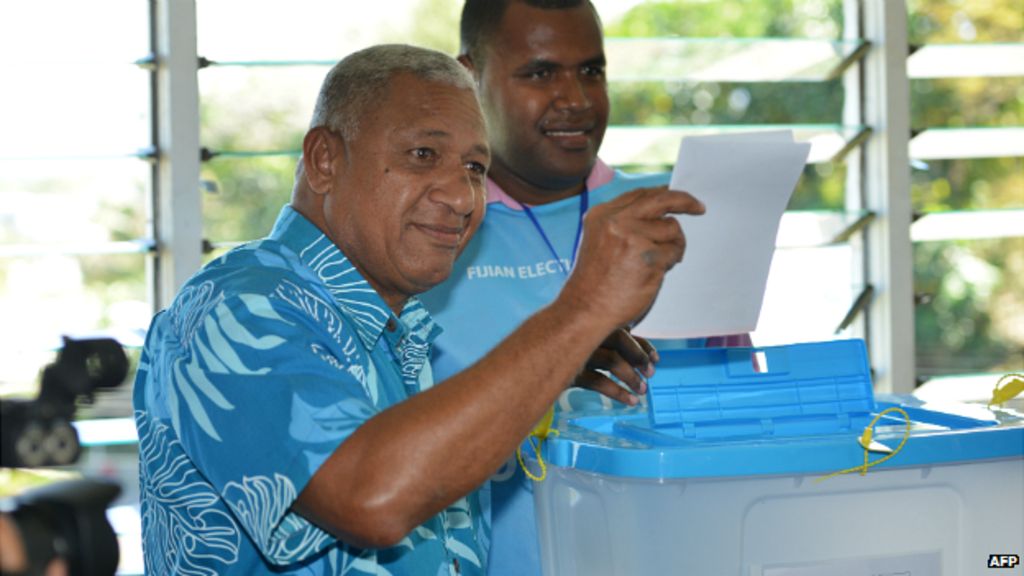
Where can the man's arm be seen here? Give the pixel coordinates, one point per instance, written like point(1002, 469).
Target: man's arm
point(409, 462)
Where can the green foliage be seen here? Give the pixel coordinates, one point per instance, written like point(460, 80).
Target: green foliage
point(976, 184)
point(701, 103)
point(257, 130)
point(952, 21)
point(975, 290)
point(247, 196)
point(961, 328)
point(960, 102)
point(707, 19)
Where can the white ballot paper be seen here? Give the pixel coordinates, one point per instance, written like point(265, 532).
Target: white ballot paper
point(745, 181)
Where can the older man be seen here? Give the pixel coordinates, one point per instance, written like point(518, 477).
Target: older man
point(287, 415)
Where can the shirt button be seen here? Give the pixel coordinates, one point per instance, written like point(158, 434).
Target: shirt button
point(455, 563)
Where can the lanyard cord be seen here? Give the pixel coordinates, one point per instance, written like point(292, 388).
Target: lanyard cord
point(543, 428)
point(584, 204)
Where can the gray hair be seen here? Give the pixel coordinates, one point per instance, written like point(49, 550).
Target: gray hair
point(360, 80)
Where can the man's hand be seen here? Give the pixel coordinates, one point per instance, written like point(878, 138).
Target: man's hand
point(628, 245)
point(629, 358)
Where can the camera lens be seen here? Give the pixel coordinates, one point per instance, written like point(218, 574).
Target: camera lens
point(61, 443)
point(30, 445)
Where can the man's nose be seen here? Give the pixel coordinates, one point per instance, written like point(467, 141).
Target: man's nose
point(459, 192)
point(571, 93)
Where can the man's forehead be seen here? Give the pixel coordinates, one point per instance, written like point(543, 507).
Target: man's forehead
point(550, 34)
point(434, 110)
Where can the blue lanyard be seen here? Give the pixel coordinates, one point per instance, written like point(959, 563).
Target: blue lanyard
point(584, 202)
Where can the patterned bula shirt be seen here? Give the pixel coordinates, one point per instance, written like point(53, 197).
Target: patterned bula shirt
point(265, 362)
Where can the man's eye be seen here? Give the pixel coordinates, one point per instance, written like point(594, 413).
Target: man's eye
point(424, 153)
point(476, 168)
point(539, 74)
point(593, 70)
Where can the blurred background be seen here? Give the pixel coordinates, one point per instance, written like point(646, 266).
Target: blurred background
point(80, 164)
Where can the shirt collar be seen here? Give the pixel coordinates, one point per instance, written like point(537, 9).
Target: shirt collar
point(600, 175)
point(359, 302)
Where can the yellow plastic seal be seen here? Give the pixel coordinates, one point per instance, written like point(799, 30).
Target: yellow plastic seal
point(1006, 392)
point(536, 438)
point(865, 440)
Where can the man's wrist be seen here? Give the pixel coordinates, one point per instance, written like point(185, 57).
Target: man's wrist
point(581, 315)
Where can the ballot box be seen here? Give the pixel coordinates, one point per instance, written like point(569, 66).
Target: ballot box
point(751, 462)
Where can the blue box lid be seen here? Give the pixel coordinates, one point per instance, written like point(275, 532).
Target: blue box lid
point(622, 443)
point(816, 388)
point(714, 413)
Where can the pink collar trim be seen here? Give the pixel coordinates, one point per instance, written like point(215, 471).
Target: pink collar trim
point(600, 175)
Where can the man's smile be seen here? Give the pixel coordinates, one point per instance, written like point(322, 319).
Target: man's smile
point(445, 235)
point(569, 136)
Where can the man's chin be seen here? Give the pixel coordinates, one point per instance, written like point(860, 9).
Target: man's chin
point(425, 280)
point(564, 168)
point(567, 176)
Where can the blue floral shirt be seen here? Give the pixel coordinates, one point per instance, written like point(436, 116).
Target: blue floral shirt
point(265, 362)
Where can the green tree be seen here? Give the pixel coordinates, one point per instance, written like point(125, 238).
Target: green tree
point(974, 290)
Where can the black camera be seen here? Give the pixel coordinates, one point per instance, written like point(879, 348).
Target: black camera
point(67, 521)
point(64, 520)
point(38, 432)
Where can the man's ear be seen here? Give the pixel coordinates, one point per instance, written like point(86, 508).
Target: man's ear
point(467, 62)
point(321, 150)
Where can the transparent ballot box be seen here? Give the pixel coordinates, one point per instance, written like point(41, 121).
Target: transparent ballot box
point(752, 462)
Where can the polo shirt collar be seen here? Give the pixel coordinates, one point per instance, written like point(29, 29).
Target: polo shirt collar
point(600, 175)
point(352, 293)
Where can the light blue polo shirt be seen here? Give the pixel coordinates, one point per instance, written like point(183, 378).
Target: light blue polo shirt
point(267, 360)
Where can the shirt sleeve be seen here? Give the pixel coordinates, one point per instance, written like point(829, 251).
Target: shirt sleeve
point(264, 392)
